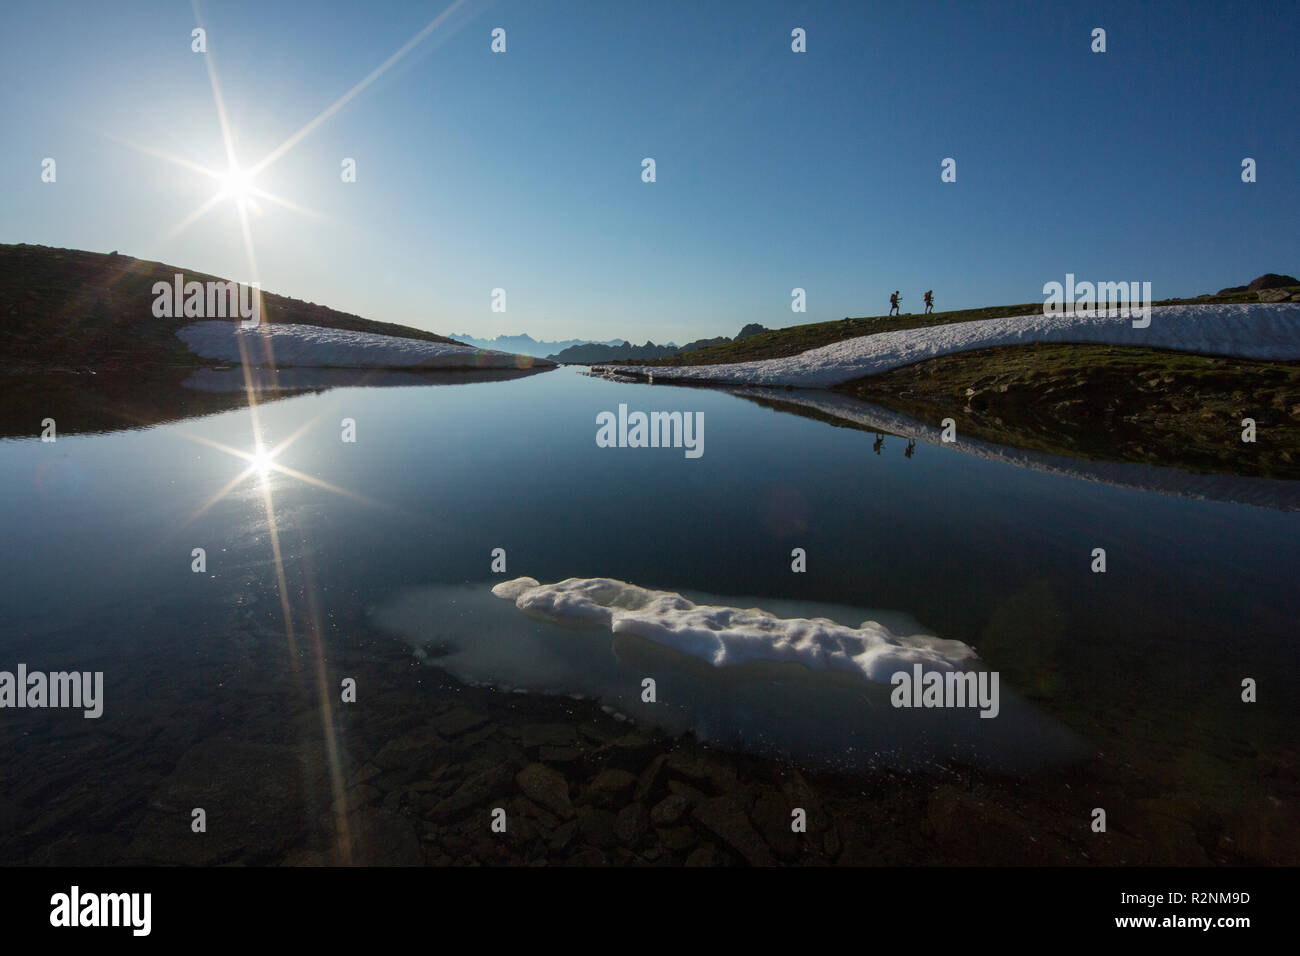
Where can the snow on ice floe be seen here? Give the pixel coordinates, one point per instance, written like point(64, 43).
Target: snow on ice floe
point(727, 636)
point(1251, 330)
point(797, 680)
point(287, 345)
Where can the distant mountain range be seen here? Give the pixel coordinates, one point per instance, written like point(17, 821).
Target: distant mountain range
point(586, 352)
point(616, 351)
point(595, 352)
point(525, 344)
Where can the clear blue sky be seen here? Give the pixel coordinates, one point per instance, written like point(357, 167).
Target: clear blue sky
point(775, 169)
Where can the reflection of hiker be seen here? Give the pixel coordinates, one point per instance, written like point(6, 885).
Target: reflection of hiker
point(911, 447)
point(929, 302)
point(893, 303)
point(880, 440)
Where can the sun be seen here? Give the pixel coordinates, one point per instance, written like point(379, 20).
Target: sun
point(261, 461)
point(237, 185)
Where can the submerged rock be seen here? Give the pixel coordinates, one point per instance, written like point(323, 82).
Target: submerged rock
point(597, 827)
point(727, 818)
point(546, 787)
point(458, 721)
point(383, 838)
point(669, 810)
point(631, 824)
point(613, 781)
point(251, 795)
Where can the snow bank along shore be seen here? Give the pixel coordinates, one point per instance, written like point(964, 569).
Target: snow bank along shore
point(285, 345)
point(1251, 330)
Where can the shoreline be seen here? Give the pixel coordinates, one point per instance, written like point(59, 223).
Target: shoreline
point(1265, 331)
point(425, 760)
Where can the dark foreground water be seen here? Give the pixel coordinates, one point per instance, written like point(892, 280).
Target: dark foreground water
point(371, 561)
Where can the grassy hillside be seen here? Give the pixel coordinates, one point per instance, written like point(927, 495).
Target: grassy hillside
point(64, 308)
point(779, 343)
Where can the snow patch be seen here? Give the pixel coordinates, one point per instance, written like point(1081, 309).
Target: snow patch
point(275, 344)
point(727, 636)
point(1252, 330)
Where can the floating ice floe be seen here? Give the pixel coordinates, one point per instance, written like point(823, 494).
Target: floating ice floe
point(728, 636)
point(285, 345)
point(1255, 331)
point(798, 680)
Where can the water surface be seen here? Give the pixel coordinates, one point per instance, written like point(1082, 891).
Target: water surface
point(1142, 664)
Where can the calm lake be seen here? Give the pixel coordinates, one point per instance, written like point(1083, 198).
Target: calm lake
point(392, 536)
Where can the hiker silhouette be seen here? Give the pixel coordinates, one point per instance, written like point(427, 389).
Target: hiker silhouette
point(911, 447)
point(929, 302)
point(880, 440)
point(893, 302)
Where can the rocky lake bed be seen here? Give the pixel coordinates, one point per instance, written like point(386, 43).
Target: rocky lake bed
point(423, 765)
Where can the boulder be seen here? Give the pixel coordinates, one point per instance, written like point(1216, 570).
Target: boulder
point(596, 827)
point(728, 820)
point(1275, 295)
point(548, 735)
point(473, 794)
point(669, 810)
point(772, 816)
point(678, 839)
point(255, 797)
point(631, 824)
point(457, 721)
point(613, 781)
point(706, 855)
point(413, 752)
point(544, 786)
point(1271, 280)
point(384, 838)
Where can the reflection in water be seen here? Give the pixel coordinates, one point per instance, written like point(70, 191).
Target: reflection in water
point(86, 402)
point(983, 545)
point(855, 413)
point(92, 403)
point(319, 379)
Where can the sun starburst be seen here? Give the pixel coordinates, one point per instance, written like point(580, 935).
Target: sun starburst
point(237, 185)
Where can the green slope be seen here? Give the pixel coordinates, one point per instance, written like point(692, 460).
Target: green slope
point(65, 308)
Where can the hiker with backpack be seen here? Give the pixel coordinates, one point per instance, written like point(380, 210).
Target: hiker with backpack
point(929, 302)
point(893, 303)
